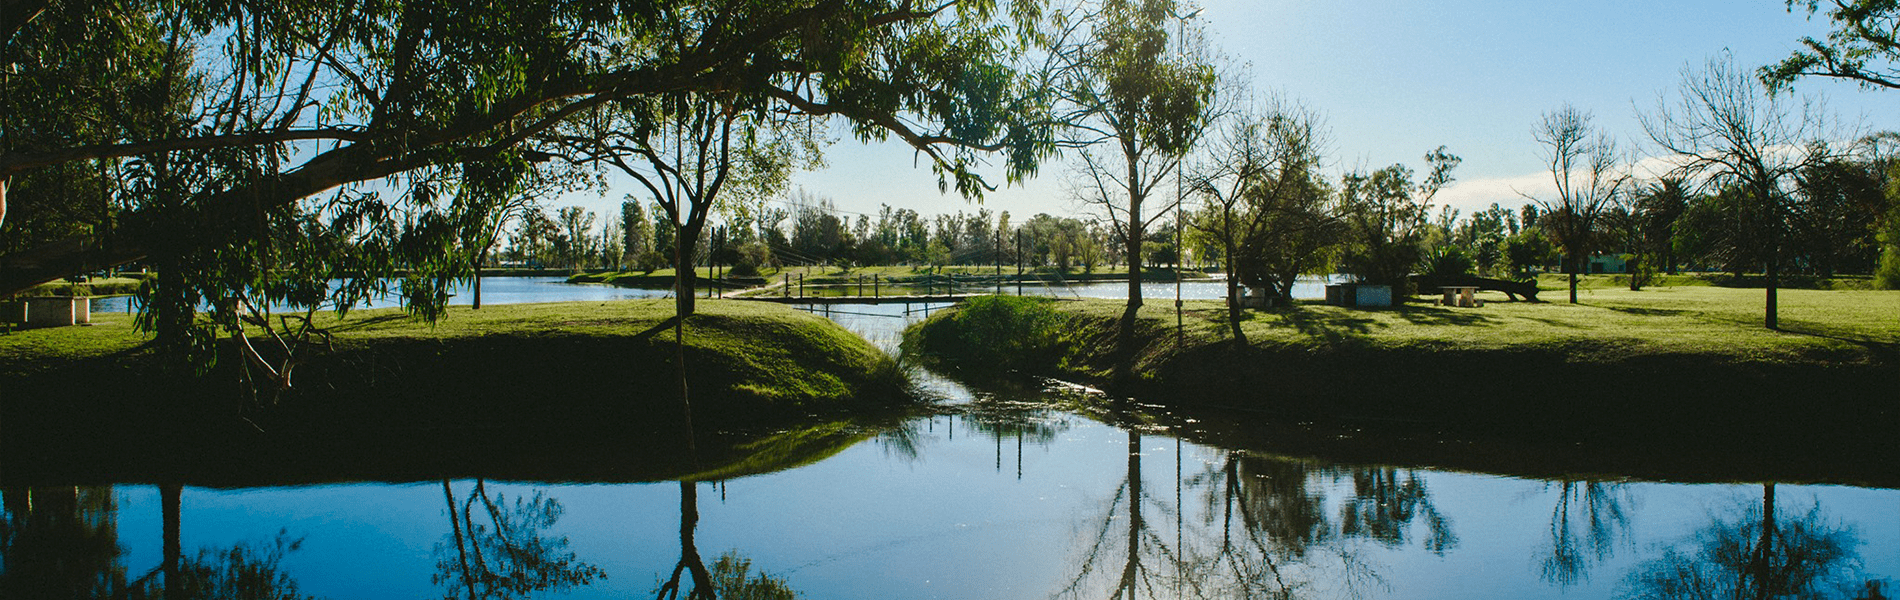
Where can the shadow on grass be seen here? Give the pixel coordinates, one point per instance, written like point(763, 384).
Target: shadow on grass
point(1885, 350)
point(1328, 326)
point(355, 324)
point(1438, 315)
point(1651, 312)
point(656, 328)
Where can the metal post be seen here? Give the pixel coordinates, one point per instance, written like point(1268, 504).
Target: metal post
point(801, 285)
point(874, 291)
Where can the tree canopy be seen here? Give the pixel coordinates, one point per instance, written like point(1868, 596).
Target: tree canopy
point(298, 98)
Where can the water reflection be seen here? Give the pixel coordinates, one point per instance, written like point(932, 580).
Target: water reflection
point(1588, 522)
point(1263, 528)
point(504, 550)
point(731, 576)
point(60, 543)
point(63, 542)
point(1758, 551)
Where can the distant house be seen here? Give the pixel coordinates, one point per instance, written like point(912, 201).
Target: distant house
point(1608, 263)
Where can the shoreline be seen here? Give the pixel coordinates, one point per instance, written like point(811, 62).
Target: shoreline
point(1378, 378)
point(534, 389)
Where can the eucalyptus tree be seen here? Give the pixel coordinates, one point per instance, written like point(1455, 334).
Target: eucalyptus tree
point(363, 90)
point(1138, 98)
point(691, 153)
point(1726, 130)
point(1386, 216)
point(1863, 47)
point(244, 137)
point(1589, 176)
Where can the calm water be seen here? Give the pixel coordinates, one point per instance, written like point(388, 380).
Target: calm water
point(998, 498)
point(495, 290)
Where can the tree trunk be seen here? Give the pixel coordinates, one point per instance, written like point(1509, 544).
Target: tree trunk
point(1773, 275)
point(169, 497)
point(685, 245)
point(1135, 234)
point(477, 282)
point(689, 550)
point(1131, 572)
point(461, 547)
point(1233, 296)
point(1573, 263)
point(1763, 566)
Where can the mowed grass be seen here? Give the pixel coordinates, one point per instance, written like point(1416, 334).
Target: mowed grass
point(770, 351)
point(1607, 324)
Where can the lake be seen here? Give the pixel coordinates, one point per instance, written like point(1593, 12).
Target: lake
point(997, 495)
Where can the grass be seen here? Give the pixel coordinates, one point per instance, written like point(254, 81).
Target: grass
point(543, 391)
point(97, 286)
point(1609, 325)
point(1687, 364)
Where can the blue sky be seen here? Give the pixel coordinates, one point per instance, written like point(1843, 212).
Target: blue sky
point(1396, 79)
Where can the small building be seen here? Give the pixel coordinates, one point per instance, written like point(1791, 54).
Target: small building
point(1358, 294)
point(1256, 297)
point(1607, 263)
point(56, 311)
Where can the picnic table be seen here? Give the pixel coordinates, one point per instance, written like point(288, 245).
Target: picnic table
point(1459, 295)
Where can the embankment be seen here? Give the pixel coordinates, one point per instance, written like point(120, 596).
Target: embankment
point(583, 391)
point(1535, 375)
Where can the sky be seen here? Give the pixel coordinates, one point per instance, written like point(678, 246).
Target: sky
point(1395, 79)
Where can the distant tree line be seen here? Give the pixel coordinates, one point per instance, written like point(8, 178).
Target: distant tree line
point(812, 231)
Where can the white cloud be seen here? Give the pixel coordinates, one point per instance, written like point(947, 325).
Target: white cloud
point(1472, 195)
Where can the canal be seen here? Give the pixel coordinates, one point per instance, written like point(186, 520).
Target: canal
point(1010, 488)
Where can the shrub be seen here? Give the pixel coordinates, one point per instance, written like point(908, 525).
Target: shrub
point(992, 332)
point(1448, 262)
point(1017, 331)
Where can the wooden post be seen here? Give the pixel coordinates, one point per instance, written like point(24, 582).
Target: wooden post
point(788, 284)
point(874, 291)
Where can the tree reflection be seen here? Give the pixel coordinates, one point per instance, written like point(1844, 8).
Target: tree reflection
point(1759, 553)
point(1586, 522)
point(242, 572)
point(503, 550)
point(62, 542)
point(1386, 502)
point(1264, 530)
point(731, 576)
point(59, 542)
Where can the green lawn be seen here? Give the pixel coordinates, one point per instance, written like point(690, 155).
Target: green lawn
point(1608, 323)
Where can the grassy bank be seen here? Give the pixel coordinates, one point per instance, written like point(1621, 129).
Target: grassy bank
point(1690, 364)
point(97, 286)
point(543, 391)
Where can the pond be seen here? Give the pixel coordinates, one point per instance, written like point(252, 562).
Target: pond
point(495, 290)
point(997, 495)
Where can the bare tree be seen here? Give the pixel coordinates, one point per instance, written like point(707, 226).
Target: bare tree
point(1725, 129)
point(1589, 174)
point(1260, 193)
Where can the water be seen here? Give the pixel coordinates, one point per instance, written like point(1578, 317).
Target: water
point(996, 497)
point(495, 290)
